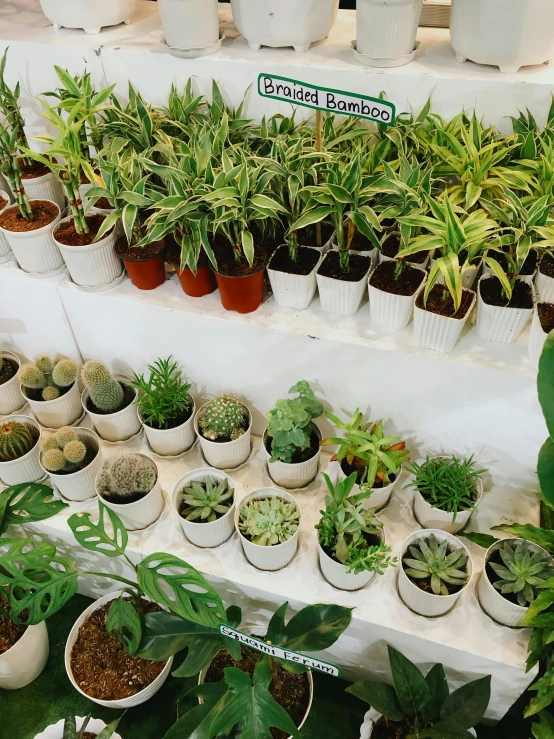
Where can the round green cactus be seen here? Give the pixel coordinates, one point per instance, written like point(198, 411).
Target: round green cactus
point(64, 373)
point(50, 443)
point(75, 452)
point(32, 377)
point(224, 418)
point(64, 435)
point(44, 363)
point(50, 393)
point(63, 452)
point(16, 439)
point(105, 391)
point(53, 460)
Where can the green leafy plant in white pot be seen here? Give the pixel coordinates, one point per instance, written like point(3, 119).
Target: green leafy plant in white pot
point(79, 727)
point(204, 501)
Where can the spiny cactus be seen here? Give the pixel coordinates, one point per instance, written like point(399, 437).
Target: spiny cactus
point(105, 391)
point(224, 419)
point(48, 375)
point(127, 476)
point(64, 372)
point(63, 452)
point(50, 393)
point(16, 439)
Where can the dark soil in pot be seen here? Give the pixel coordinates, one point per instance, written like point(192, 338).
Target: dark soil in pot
point(360, 469)
point(8, 369)
point(300, 455)
point(372, 540)
point(3, 203)
point(295, 689)
point(129, 396)
point(491, 293)
point(330, 267)
point(440, 302)
point(100, 665)
point(67, 235)
point(32, 170)
point(126, 499)
point(546, 317)
point(10, 633)
point(305, 262)
point(33, 394)
point(139, 253)
point(391, 247)
point(529, 266)
point(172, 423)
point(386, 729)
point(44, 212)
point(547, 265)
point(228, 266)
point(406, 285)
point(145, 265)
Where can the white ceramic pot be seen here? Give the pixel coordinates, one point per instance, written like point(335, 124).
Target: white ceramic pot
point(135, 700)
point(370, 719)
point(429, 604)
point(11, 397)
point(392, 311)
point(499, 324)
point(92, 265)
point(91, 15)
point(537, 337)
point(275, 557)
point(379, 496)
point(45, 187)
point(81, 485)
point(429, 517)
point(190, 24)
point(27, 468)
point(35, 250)
point(227, 454)
point(55, 731)
point(293, 291)
point(5, 251)
point(544, 286)
point(141, 513)
point(284, 22)
point(171, 442)
point(293, 476)
point(117, 426)
point(339, 296)
point(439, 333)
point(336, 573)
point(505, 33)
point(24, 662)
point(386, 29)
point(212, 533)
point(62, 411)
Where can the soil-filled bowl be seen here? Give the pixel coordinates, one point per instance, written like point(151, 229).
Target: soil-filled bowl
point(210, 533)
point(120, 425)
point(172, 441)
point(26, 659)
point(11, 397)
point(145, 265)
point(292, 475)
point(80, 485)
point(26, 468)
point(62, 411)
point(224, 455)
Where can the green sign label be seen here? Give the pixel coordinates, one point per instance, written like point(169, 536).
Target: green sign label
point(323, 98)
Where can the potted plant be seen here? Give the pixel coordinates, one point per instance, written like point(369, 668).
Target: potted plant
point(446, 492)
point(191, 25)
point(541, 326)
point(204, 501)
point(77, 727)
point(544, 282)
point(11, 397)
point(166, 408)
point(393, 289)
point(50, 387)
point(351, 538)
point(268, 523)
point(223, 428)
point(386, 31)
point(292, 440)
point(90, 16)
point(130, 485)
point(19, 450)
point(72, 457)
point(435, 569)
point(108, 400)
point(420, 706)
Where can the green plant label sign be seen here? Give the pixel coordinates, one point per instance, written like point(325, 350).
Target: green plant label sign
point(279, 653)
point(323, 98)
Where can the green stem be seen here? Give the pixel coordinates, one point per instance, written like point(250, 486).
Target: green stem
point(76, 206)
point(344, 259)
point(115, 577)
point(21, 199)
point(293, 246)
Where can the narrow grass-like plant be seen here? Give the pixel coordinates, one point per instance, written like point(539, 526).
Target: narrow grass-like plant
point(164, 395)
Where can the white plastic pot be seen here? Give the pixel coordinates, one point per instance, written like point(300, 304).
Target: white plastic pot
point(392, 311)
point(24, 662)
point(544, 286)
point(62, 411)
point(371, 717)
point(379, 496)
point(5, 251)
point(227, 454)
point(171, 442)
point(505, 33)
point(141, 513)
point(190, 24)
point(81, 485)
point(499, 324)
point(386, 29)
point(135, 700)
point(336, 573)
point(373, 254)
point(429, 604)
point(293, 291)
point(11, 397)
point(339, 296)
point(92, 265)
point(26, 468)
point(537, 337)
point(292, 476)
point(117, 426)
point(91, 15)
point(55, 731)
point(212, 533)
point(436, 332)
point(35, 250)
point(284, 22)
point(45, 187)
point(274, 557)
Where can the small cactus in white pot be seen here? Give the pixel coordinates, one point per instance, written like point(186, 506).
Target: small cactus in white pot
point(50, 386)
point(19, 450)
point(223, 428)
point(72, 458)
point(108, 399)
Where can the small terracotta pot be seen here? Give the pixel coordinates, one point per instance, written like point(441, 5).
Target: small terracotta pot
point(242, 294)
point(197, 286)
point(146, 273)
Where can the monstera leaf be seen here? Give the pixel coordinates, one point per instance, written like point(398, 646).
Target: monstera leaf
point(26, 503)
point(124, 621)
point(95, 537)
point(42, 589)
point(21, 553)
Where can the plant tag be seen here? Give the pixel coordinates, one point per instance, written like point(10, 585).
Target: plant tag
point(323, 98)
point(279, 653)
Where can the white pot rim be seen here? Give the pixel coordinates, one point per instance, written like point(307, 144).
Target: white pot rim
point(414, 294)
point(40, 179)
point(292, 465)
point(300, 246)
point(175, 428)
point(505, 307)
point(46, 403)
point(260, 494)
point(123, 507)
point(85, 248)
point(452, 318)
point(5, 196)
point(81, 431)
point(29, 421)
point(345, 282)
point(124, 380)
point(14, 379)
point(219, 443)
point(397, 474)
point(199, 475)
point(37, 231)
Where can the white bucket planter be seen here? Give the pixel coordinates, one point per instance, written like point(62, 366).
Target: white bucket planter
point(293, 291)
point(284, 22)
point(499, 324)
point(227, 454)
point(505, 33)
point(35, 250)
point(379, 496)
point(292, 476)
point(212, 533)
point(339, 296)
point(91, 15)
point(62, 411)
point(26, 468)
point(190, 24)
point(81, 485)
point(386, 29)
point(135, 700)
point(171, 442)
point(275, 557)
point(545, 287)
point(392, 311)
point(118, 426)
point(24, 662)
point(5, 251)
point(11, 397)
point(429, 604)
point(436, 332)
point(55, 731)
point(429, 517)
point(336, 573)
point(141, 513)
point(371, 718)
point(45, 187)
point(537, 337)
point(92, 265)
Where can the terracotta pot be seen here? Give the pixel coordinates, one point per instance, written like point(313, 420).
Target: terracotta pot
point(146, 273)
point(243, 294)
point(203, 284)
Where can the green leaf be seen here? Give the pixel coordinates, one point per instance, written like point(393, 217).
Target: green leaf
point(411, 689)
point(467, 705)
point(316, 627)
point(445, 730)
point(312, 216)
point(124, 621)
point(542, 537)
point(438, 687)
point(26, 503)
point(380, 696)
point(483, 540)
point(42, 590)
point(197, 722)
point(109, 730)
point(276, 632)
point(95, 537)
point(545, 728)
point(248, 246)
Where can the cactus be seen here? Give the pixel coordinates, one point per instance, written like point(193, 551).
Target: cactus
point(44, 363)
point(63, 452)
point(64, 435)
point(64, 372)
point(31, 376)
point(16, 439)
point(50, 376)
point(224, 419)
point(50, 393)
point(105, 391)
point(127, 476)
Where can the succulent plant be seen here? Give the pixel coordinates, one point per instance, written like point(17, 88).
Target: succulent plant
point(127, 476)
point(523, 571)
point(224, 418)
point(431, 561)
point(104, 390)
point(63, 452)
point(70, 728)
point(48, 375)
point(205, 500)
point(269, 521)
point(291, 422)
point(16, 439)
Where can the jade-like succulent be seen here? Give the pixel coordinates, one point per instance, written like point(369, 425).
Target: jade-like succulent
point(523, 571)
point(224, 419)
point(205, 500)
point(63, 452)
point(269, 521)
point(48, 375)
point(127, 476)
point(104, 390)
point(429, 560)
point(16, 439)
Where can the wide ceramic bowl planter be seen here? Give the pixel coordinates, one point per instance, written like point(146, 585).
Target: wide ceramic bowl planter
point(190, 24)
point(212, 533)
point(392, 311)
point(45, 187)
point(419, 601)
point(436, 332)
point(62, 411)
point(386, 29)
point(171, 442)
point(497, 323)
point(224, 455)
point(135, 700)
point(370, 719)
point(81, 485)
point(537, 337)
point(505, 33)
point(293, 291)
point(339, 296)
point(26, 468)
point(11, 397)
point(284, 22)
point(55, 731)
point(5, 251)
point(118, 426)
point(274, 557)
point(141, 513)
point(92, 265)
point(24, 662)
point(379, 496)
point(91, 15)
point(35, 250)
point(296, 475)
point(429, 517)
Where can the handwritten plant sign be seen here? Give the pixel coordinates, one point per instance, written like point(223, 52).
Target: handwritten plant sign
point(323, 98)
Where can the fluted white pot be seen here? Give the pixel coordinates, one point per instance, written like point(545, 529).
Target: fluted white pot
point(80, 485)
point(429, 604)
point(190, 24)
point(537, 337)
point(171, 442)
point(279, 555)
point(370, 719)
point(62, 411)
point(284, 22)
point(544, 286)
point(92, 265)
point(91, 16)
point(11, 397)
point(211, 533)
point(293, 291)
point(430, 517)
point(55, 731)
point(436, 332)
point(26, 468)
point(392, 311)
point(339, 296)
point(45, 187)
point(336, 573)
point(227, 454)
point(35, 250)
point(135, 700)
point(24, 662)
point(497, 323)
point(379, 496)
point(373, 253)
point(386, 29)
point(117, 426)
point(5, 251)
point(141, 513)
point(289, 475)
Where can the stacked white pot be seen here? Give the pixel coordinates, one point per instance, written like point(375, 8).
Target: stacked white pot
point(11, 397)
point(26, 468)
point(437, 332)
point(118, 426)
point(62, 411)
point(497, 323)
point(92, 265)
point(24, 662)
point(227, 454)
point(293, 475)
point(291, 290)
point(80, 485)
point(386, 29)
point(190, 24)
point(174, 441)
point(211, 533)
point(45, 187)
point(92, 17)
point(341, 297)
point(390, 310)
point(35, 250)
